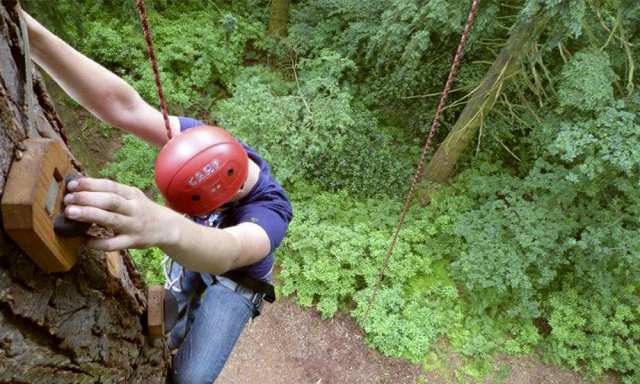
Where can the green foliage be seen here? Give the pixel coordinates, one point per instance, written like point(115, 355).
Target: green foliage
point(134, 163)
point(604, 147)
point(586, 82)
point(149, 262)
point(315, 129)
point(550, 239)
point(409, 326)
point(199, 46)
point(567, 16)
point(391, 42)
point(106, 130)
point(565, 234)
point(599, 329)
point(333, 251)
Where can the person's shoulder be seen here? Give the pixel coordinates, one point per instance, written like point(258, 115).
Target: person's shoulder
point(256, 158)
point(185, 122)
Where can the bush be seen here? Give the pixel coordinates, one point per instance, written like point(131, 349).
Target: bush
point(334, 249)
point(496, 252)
point(316, 130)
point(149, 262)
point(134, 164)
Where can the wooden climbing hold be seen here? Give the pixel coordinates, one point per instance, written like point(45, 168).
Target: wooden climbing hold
point(155, 311)
point(33, 200)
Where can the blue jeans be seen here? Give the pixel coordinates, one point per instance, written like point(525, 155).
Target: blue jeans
point(212, 317)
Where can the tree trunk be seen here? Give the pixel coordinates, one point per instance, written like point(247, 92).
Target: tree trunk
point(442, 164)
point(279, 18)
point(83, 326)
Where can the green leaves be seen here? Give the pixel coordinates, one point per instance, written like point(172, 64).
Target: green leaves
point(332, 255)
point(199, 51)
point(392, 43)
point(315, 129)
point(149, 262)
point(586, 82)
point(605, 146)
point(567, 15)
point(491, 255)
point(134, 163)
point(598, 329)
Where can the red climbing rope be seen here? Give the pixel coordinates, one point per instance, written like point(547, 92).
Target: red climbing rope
point(154, 63)
point(425, 149)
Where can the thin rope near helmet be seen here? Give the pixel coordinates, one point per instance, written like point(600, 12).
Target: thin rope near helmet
point(198, 171)
point(202, 169)
point(154, 63)
point(420, 169)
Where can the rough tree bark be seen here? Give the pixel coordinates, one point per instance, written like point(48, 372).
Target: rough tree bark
point(83, 326)
point(279, 18)
point(443, 162)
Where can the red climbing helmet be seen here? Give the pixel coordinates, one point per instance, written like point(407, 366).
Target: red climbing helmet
point(201, 169)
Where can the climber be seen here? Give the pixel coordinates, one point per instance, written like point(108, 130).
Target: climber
point(220, 261)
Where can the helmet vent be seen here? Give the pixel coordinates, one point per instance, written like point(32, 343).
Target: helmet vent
point(230, 172)
point(195, 197)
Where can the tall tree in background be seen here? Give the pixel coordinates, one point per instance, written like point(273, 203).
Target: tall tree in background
point(441, 167)
point(279, 18)
point(82, 326)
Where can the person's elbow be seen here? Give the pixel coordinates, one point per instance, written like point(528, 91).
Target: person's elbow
point(118, 105)
point(125, 109)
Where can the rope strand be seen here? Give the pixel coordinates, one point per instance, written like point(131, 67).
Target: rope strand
point(425, 149)
point(154, 64)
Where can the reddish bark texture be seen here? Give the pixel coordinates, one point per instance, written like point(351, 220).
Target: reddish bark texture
point(83, 326)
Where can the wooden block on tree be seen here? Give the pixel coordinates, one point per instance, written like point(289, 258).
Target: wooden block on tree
point(33, 198)
point(115, 265)
point(155, 311)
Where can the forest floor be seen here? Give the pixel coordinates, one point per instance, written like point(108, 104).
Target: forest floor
point(291, 345)
point(288, 344)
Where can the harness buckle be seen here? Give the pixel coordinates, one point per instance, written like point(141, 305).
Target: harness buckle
point(257, 302)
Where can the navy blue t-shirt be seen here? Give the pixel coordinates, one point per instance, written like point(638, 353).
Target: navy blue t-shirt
point(266, 205)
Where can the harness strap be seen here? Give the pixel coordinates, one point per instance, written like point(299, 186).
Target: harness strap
point(255, 285)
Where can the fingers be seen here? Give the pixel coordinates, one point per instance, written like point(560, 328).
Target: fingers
point(101, 185)
point(134, 218)
point(105, 201)
point(87, 214)
point(115, 243)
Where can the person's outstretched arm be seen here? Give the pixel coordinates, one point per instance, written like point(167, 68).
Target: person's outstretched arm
point(141, 223)
point(96, 88)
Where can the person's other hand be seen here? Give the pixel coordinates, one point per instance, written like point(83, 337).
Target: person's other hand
point(137, 221)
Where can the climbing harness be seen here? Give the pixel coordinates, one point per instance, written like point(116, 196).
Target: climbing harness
point(171, 283)
point(420, 168)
